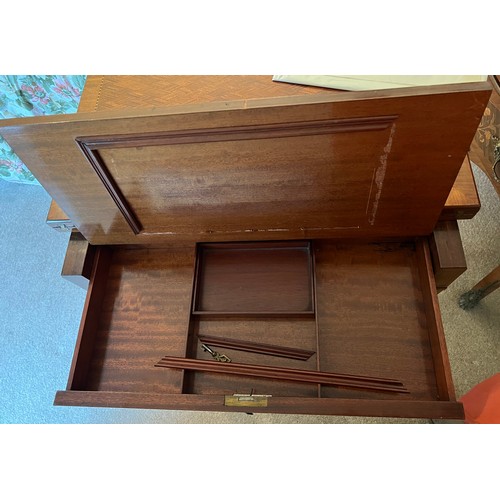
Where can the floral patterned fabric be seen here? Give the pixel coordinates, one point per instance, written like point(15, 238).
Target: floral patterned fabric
point(28, 95)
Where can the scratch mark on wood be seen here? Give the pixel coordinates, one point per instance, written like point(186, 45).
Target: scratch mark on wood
point(380, 175)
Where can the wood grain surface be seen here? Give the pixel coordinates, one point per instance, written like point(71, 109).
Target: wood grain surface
point(78, 261)
point(286, 405)
point(232, 165)
point(375, 316)
point(463, 201)
point(315, 185)
point(371, 315)
point(448, 257)
point(442, 369)
point(143, 316)
point(113, 92)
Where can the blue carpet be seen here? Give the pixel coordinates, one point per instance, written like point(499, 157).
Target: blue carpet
point(39, 316)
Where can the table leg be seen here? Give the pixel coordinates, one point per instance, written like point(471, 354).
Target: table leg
point(488, 284)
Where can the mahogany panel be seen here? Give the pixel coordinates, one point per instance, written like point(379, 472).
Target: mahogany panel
point(396, 183)
point(257, 178)
point(144, 316)
point(110, 92)
point(371, 315)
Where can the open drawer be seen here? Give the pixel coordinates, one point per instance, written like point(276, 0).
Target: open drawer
point(358, 308)
point(278, 225)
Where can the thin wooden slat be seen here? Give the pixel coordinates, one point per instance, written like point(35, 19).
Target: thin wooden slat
point(269, 349)
point(307, 376)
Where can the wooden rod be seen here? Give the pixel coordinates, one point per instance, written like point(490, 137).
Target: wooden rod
point(243, 345)
point(289, 374)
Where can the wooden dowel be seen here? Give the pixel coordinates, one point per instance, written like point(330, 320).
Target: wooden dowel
point(269, 349)
point(289, 374)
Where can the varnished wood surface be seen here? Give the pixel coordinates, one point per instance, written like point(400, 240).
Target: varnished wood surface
point(356, 381)
point(442, 369)
point(463, 201)
point(112, 92)
point(122, 92)
point(489, 283)
point(448, 257)
point(396, 184)
point(373, 319)
point(78, 261)
point(91, 316)
point(144, 315)
point(257, 347)
point(286, 405)
point(371, 315)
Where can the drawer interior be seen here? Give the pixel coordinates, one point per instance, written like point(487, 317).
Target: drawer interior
point(357, 308)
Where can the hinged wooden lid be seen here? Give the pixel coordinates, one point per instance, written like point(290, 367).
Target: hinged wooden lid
point(360, 164)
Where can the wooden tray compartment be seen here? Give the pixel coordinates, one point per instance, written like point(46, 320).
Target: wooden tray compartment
point(376, 314)
point(247, 279)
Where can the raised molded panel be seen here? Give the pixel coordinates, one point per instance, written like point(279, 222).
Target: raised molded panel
point(272, 175)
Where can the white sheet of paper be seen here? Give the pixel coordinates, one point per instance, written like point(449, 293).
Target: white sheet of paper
point(376, 82)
